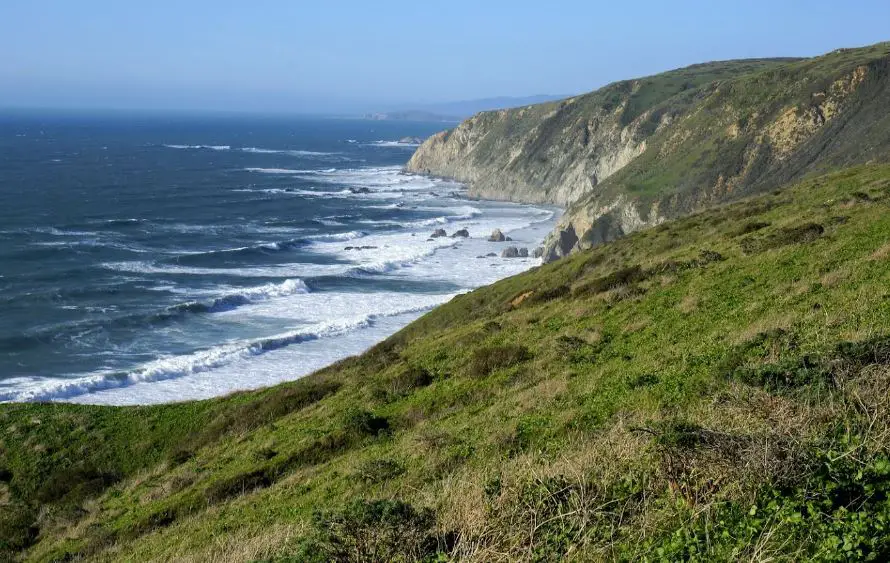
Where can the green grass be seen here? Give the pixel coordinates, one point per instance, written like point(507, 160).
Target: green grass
point(712, 388)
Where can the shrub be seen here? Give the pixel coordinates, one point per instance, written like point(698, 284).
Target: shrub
point(409, 379)
point(751, 227)
point(643, 380)
point(489, 359)
point(624, 276)
point(240, 483)
point(372, 531)
point(17, 530)
point(75, 483)
point(379, 470)
point(550, 294)
point(359, 422)
point(800, 234)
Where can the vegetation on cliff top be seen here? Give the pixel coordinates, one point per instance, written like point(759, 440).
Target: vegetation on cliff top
point(638, 152)
point(716, 387)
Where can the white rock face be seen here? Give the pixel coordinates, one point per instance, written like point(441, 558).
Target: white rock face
point(532, 166)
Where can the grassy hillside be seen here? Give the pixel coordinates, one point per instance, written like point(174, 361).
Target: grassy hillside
point(716, 387)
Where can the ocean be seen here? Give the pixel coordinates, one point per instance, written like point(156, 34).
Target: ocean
point(152, 258)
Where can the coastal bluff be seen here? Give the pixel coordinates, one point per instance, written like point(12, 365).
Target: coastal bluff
point(638, 152)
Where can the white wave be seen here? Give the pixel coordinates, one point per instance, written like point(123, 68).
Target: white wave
point(386, 182)
point(197, 147)
point(279, 171)
point(178, 366)
point(464, 214)
point(244, 296)
point(394, 144)
point(175, 367)
point(289, 171)
point(61, 233)
point(350, 235)
point(92, 243)
point(286, 151)
point(260, 151)
point(282, 271)
point(330, 222)
point(271, 290)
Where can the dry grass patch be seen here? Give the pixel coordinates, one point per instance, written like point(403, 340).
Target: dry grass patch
point(689, 304)
point(881, 253)
point(762, 326)
point(253, 544)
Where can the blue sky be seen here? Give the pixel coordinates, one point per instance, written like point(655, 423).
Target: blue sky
point(339, 55)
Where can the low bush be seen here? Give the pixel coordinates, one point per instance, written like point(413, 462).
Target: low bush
point(487, 360)
point(401, 384)
point(359, 423)
point(372, 531)
point(624, 276)
point(74, 483)
point(17, 530)
point(643, 380)
point(379, 470)
point(799, 234)
point(550, 294)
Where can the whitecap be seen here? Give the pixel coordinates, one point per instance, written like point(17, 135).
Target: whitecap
point(175, 367)
point(197, 147)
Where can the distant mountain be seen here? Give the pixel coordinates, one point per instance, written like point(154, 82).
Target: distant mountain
point(413, 115)
point(458, 111)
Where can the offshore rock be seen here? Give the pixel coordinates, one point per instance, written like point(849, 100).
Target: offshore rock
point(462, 233)
point(510, 252)
point(497, 236)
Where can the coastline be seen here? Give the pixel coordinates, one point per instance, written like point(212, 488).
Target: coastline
point(456, 262)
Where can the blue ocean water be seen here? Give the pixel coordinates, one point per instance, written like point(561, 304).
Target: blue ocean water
point(150, 258)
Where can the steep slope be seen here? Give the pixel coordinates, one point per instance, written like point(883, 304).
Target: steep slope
point(715, 387)
point(638, 152)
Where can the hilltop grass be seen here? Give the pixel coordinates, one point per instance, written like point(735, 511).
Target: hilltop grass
point(733, 110)
point(713, 388)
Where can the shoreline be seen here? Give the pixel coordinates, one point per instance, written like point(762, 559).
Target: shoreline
point(313, 352)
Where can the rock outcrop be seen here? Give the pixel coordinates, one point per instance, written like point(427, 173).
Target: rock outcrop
point(461, 233)
point(439, 233)
point(638, 152)
point(510, 252)
point(497, 236)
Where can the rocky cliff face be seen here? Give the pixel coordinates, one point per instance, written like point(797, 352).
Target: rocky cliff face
point(636, 153)
point(552, 153)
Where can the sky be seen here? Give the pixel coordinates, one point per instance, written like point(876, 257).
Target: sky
point(329, 56)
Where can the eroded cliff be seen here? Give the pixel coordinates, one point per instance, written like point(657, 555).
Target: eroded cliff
point(635, 153)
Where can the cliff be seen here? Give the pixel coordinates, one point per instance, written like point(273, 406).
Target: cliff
point(638, 152)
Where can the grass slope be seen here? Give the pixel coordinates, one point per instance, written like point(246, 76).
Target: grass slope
point(716, 387)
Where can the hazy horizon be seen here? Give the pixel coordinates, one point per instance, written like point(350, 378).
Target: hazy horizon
point(350, 57)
